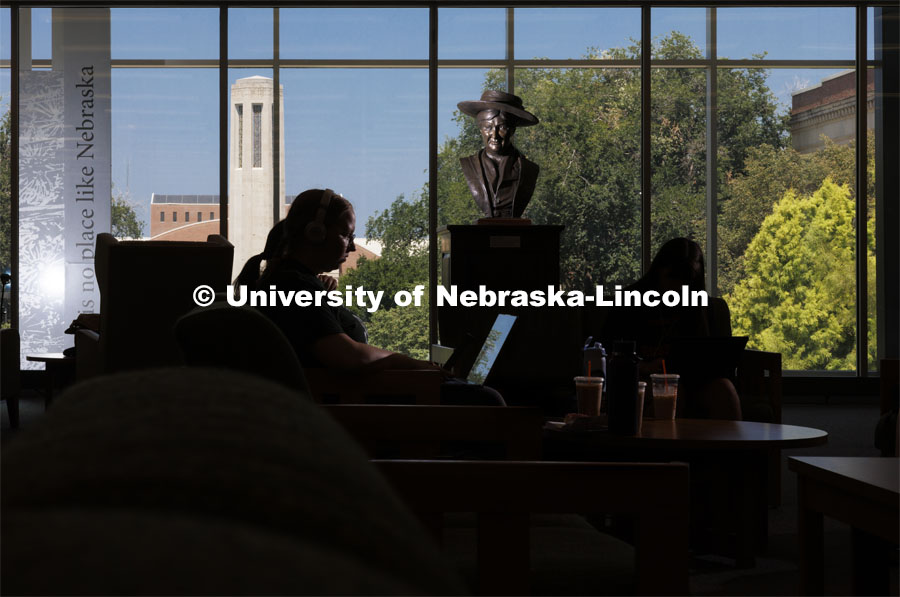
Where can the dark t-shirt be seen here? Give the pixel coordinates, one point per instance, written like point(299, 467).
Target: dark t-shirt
point(303, 326)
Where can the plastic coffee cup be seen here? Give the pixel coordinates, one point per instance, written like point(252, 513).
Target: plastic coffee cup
point(665, 394)
point(589, 391)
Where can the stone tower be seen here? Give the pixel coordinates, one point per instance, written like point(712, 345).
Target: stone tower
point(252, 180)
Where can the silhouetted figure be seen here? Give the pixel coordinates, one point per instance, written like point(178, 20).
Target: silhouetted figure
point(500, 178)
point(316, 237)
point(679, 262)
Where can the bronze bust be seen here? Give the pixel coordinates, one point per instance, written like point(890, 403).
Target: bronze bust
point(500, 178)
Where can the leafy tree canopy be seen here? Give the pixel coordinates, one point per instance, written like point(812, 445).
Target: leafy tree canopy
point(768, 174)
point(798, 296)
point(588, 147)
point(123, 219)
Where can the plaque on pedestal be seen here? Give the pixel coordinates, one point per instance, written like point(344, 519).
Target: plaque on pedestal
point(503, 256)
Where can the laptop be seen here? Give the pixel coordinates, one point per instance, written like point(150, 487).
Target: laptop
point(487, 355)
point(706, 358)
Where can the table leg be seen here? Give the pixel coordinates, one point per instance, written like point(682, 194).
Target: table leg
point(870, 563)
point(750, 480)
point(812, 544)
point(760, 471)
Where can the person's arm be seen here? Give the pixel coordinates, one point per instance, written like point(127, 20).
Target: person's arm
point(340, 351)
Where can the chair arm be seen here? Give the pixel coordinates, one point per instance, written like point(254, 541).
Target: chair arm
point(87, 354)
point(505, 493)
point(412, 386)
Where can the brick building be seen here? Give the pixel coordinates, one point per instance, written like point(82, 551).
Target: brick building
point(829, 108)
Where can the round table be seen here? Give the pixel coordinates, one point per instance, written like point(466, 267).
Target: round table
point(733, 452)
point(704, 434)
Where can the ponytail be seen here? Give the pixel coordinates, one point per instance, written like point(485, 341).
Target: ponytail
point(250, 273)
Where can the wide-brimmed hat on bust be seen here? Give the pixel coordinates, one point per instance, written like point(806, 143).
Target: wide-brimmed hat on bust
point(499, 100)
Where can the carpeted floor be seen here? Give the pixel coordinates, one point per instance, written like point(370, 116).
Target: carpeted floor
point(850, 428)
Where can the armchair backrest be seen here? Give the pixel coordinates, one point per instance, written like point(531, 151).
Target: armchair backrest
point(242, 339)
point(144, 287)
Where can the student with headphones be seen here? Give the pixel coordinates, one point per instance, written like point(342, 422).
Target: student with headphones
point(316, 237)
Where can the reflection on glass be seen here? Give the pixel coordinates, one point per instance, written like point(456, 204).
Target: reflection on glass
point(250, 33)
point(575, 33)
point(786, 33)
point(354, 33)
point(158, 33)
point(471, 33)
point(786, 225)
point(491, 348)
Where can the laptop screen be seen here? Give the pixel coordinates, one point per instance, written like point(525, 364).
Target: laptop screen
point(491, 348)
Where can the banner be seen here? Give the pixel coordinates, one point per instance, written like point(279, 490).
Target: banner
point(64, 179)
point(86, 73)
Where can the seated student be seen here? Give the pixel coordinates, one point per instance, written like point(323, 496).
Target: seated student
point(679, 262)
point(316, 237)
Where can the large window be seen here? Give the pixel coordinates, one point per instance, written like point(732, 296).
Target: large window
point(747, 142)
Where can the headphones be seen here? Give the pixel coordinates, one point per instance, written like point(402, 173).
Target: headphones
point(315, 230)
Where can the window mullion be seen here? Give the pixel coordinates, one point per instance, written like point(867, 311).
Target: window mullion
point(712, 151)
point(862, 203)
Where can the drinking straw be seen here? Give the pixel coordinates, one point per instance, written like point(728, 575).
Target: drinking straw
point(665, 377)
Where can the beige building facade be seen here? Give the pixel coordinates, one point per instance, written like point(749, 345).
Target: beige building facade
point(829, 109)
point(251, 165)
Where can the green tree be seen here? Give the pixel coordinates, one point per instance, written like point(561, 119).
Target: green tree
point(401, 329)
point(402, 230)
point(123, 219)
point(588, 147)
point(799, 294)
point(768, 174)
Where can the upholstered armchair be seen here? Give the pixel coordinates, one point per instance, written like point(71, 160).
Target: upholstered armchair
point(144, 287)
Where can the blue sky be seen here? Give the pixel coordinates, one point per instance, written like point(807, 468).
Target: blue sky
point(364, 132)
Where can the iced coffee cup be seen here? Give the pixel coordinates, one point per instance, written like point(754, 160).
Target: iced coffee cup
point(665, 394)
point(589, 391)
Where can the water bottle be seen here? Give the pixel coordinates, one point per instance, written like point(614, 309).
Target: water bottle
point(622, 389)
point(595, 354)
